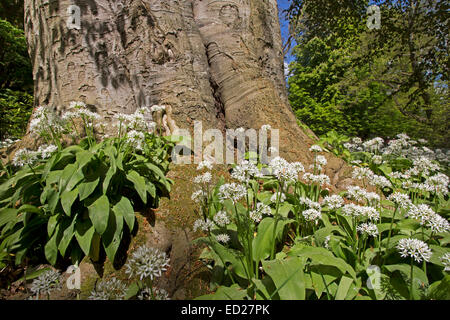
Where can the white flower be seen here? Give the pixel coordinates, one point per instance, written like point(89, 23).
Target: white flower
point(354, 210)
point(356, 193)
point(372, 197)
point(136, 139)
point(321, 160)
point(224, 238)
point(437, 223)
point(377, 159)
point(315, 148)
point(281, 197)
point(245, 171)
point(311, 204)
point(285, 171)
point(414, 248)
point(204, 164)
point(362, 173)
point(47, 151)
point(401, 200)
point(320, 179)
point(333, 202)
point(261, 209)
point(77, 104)
point(199, 195)
point(203, 178)
point(146, 263)
point(232, 191)
point(266, 127)
point(221, 219)
point(379, 181)
point(438, 182)
point(24, 157)
point(112, 289)
point(327, 240)
point(445, 259)
point(203, 225)
point(312, 215)
point(369, 229)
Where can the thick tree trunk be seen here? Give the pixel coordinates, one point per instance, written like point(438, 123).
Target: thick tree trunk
point(219, 62)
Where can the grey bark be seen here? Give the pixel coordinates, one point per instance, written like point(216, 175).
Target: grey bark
point(219, 62)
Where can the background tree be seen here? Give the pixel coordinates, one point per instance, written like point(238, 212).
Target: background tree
point(371, 82)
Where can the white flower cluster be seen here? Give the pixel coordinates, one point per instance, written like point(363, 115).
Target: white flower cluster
point(401, 200)
point(368, 229)
point(316, 148)
point(333, 202)
point(46, 283)
point(112, 289)
point(43, 120)
point(361, 173)
point(147, 263)
point(320, 179)
point(203, 225)
point(358, 194)
point(414, 248)
point(285, 171)
point(224, 238)
point(232, 191)
point(379, 181)
point(136, 121)
point(199, 196)
point(354, 210)
point(280, 196)
point(205, 164)
point(245, 171)
point(312, 215)
point(445, 259)
point(311, 204)
point(260, 210)
point(203, 178)
point(221, 219)
point(427, 217)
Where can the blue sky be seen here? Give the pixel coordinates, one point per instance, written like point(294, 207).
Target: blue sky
point(284, 4)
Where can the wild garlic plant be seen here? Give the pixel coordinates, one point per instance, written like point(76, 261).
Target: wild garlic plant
point(283, 224)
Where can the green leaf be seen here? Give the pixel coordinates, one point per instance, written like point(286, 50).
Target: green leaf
point(7, 215)
point(66, 175)
point(99, 214)
point(67, 200)
point(109, 175)
point(439, 290)
point(343, 288)
point(51, 248)
point(84, 232)
point(85, 189)
point(113, 235)
point(406, 270)
point(288, 277)
point(51, 224)
point(125, 209)
point(67, 237)
point(263, 242)
point(139, 184)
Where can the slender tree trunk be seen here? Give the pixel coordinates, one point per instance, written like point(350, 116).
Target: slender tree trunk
point(219, 62)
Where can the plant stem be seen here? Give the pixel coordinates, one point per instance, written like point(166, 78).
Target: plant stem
point(412, 281)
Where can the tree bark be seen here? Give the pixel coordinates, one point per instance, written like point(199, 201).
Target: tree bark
point(219, 62)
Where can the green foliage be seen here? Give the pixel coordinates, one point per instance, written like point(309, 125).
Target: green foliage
point(306, 247)
point(15, 111)
point(362, 82)
point(66, 203)
point(16, 81)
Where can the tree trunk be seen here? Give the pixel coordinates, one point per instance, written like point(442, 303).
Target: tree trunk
point(219, 62)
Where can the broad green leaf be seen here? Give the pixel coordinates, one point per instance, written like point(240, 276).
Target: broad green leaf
point(440, 290)
point(125, 209)
point(406, 270)
point(67, 237)
point(263, 242)
point(99, 214)
point(344, 286)
point(7, 215)
point(85, 189)
point(109, 175)
point(139, 184)
point(66, 175)
point(84, 232)
point(51, 224)
point(288, 277)
point(113, 235)
point(67, 200)
point(51, 248)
